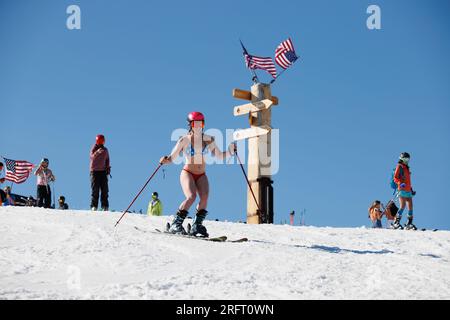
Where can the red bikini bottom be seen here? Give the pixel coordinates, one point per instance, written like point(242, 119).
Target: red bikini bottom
point(196, 176)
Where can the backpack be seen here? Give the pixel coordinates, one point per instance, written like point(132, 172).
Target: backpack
point(392, 181)
point(391, 210)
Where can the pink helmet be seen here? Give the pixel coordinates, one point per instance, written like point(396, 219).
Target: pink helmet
point(195, 116)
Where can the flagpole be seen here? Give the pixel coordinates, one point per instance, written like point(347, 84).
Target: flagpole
point(273, 80)
point(255, 78)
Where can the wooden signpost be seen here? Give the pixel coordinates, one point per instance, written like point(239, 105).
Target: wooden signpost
point(259, 149)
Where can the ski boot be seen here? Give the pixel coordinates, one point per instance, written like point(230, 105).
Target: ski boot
point(177, 223)
point(396, 224)
point(198, 229)
point(409, 225)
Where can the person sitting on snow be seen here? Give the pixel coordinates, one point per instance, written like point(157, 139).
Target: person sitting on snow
point(375, 214)
point(62, 203)
point(9, 200)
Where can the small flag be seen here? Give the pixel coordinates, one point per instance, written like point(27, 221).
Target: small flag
point(263, 63)
point(17, 171)
point(285, 54)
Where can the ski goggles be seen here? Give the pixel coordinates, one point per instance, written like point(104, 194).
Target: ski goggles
point(405, 160)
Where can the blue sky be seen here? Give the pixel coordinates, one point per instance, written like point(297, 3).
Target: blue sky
point(348, 107)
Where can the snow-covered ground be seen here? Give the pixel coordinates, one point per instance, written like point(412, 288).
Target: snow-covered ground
point(52, 254)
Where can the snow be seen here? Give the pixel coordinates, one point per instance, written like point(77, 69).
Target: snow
point(53, 254)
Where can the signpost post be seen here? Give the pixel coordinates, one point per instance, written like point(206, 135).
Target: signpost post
point(259, 149)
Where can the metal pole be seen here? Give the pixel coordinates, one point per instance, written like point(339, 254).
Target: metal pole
point(248, 182)
point(125, 211)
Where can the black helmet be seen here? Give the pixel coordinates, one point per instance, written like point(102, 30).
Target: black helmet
point(155, 194)
point(62, 198)
point(45, 160)
point(404, 157)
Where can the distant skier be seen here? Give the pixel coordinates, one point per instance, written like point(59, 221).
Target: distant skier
point(44, 177)
point(2, 180)
point(100, 169)
point(402, 178)
point(193, 179)
point(62, 203)
point(155, 206)
point(375, 214)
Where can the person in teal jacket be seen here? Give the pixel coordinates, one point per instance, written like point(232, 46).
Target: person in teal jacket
point(155, 207)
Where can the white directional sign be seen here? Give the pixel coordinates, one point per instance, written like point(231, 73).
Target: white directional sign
point(252, 107)
point(251, 132)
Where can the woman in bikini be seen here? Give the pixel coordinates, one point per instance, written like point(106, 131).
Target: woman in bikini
point(193, 179)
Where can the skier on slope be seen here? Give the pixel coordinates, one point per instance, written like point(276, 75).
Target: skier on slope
point(155, 207)
point(402, 178)
point(192, 177)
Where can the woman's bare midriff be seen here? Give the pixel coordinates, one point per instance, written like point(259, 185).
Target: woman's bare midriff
point(196, 167)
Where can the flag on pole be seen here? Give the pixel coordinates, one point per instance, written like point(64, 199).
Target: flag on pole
point(17, 171)
point(263, 63)
point(285, 54)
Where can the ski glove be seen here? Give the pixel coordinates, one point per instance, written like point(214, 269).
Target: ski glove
point(402, 185)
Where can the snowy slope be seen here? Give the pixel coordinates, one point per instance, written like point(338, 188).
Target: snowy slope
point(78, 254)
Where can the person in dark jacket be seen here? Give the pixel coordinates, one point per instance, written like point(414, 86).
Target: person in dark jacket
point(100, 169)
point(2, 180)
point(62, 203)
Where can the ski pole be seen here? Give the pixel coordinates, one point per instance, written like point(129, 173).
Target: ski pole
point(125, 211)
point(54, 202)
point(248, 182)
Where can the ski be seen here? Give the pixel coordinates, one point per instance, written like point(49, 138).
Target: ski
point(413, 229)
point(238, 240)
point(213, 239)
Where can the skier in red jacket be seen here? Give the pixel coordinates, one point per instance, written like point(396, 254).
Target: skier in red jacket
point(402, 178)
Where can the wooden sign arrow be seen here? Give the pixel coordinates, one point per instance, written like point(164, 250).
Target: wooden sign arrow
point(251, 132)
point(252, 107)
point(247, 95)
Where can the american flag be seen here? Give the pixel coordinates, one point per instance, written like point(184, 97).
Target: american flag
point(17, 171)
point(263, 63)
point(285, 54)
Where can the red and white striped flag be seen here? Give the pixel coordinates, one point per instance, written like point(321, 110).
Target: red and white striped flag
point(263, 63)
point(285, 54)
point(17, 171)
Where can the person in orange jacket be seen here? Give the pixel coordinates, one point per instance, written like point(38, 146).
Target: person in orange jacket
point(402, 177)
